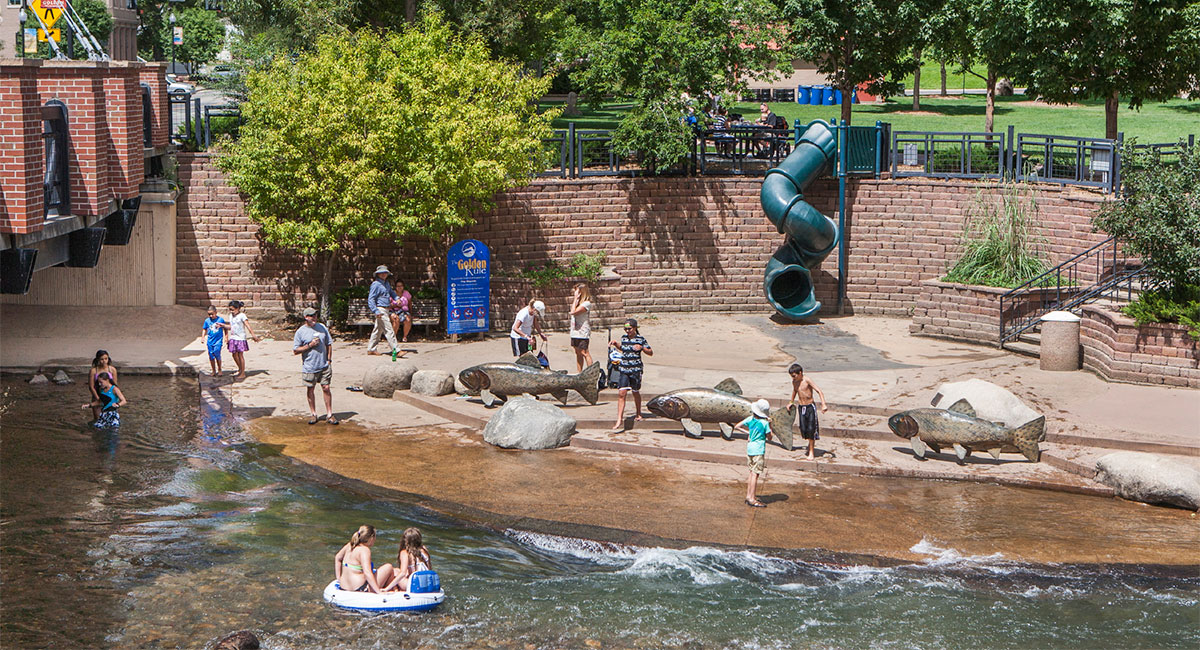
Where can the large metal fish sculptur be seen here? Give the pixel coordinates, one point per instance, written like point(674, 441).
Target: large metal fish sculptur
point(723, 405)
point(958, 427)
point(527, 376)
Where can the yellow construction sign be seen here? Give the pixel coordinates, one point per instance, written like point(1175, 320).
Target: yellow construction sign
point(55, 34)
point(49, 11)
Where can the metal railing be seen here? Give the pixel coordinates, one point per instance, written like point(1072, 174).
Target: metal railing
point(225, 110)
point(179, 114)
point(1101, 271)
point(953, 154)
point(1067, 160)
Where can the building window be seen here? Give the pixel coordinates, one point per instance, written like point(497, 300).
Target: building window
point(56, 183)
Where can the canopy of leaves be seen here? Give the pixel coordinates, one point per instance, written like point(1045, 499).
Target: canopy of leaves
point(652, 49)
point(1087, 49)
point(858, 41)
point(409, 136)
point(523, 30)
point(203, 35)
point(1158, 214)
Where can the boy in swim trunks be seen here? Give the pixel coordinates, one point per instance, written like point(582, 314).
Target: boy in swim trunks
point(802, 394)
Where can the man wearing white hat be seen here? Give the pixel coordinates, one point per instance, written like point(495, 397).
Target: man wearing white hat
point(526, 325)
point(757, 428)
point(380, 301)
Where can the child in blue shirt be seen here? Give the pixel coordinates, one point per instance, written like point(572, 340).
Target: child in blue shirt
point(758, 430)
point(214, 331)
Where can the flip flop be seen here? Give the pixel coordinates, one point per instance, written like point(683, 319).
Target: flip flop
point(332, 420)
point(356, 389)
point(313, 421)
point(755, 504)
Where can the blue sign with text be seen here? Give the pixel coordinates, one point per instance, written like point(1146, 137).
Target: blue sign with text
point(469, 287)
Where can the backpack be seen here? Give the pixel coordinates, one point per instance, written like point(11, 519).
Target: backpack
point(780, 122)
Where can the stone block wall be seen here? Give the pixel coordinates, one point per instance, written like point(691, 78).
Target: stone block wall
point(679, 244)
point(1116, 348)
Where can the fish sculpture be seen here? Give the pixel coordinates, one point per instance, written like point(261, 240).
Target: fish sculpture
point(723, 405)
point(527, 377)
point(958, 427)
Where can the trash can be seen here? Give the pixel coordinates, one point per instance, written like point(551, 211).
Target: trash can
point(816, 96)
point(1060, 341)
point(802, 93)
point(837, 97)
point(828, 99)
point(854, 96)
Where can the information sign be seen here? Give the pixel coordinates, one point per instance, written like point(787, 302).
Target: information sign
point(177, 37)
point(469, 288)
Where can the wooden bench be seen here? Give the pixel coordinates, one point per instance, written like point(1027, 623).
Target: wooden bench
point(359, 314)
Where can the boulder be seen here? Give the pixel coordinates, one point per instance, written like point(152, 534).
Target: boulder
point(1150, 478)
point(38, 380)
point(990, 401)
point(388, 377)
point(1004, 88)
point(524, 423)
point(61, 378)
point(432, 382)
point(240, 640)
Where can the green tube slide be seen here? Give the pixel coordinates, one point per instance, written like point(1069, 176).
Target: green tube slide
point(811, 236)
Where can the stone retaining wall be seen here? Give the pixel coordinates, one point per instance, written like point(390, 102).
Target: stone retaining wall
point(1116, 348)
point(679, 244)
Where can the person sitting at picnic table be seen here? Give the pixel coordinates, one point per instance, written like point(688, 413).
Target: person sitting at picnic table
point(764, 144)
point(722, 139)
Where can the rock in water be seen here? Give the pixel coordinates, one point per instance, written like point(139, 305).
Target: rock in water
point(240, 640)
point(386, 378)
point(991, 402)
point(39, 379)
point(61, 378)
point(524, 423)
point(1150, 478)
point(432, 382)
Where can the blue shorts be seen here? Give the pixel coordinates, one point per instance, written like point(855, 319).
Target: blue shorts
point(629, 381)
point(215, 353)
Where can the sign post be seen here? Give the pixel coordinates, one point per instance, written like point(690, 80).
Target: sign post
point(468, 287)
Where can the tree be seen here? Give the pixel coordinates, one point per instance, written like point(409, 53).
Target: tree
point(523, 30)
point(652, 51)
point(203, 36)
point(857, 42)
point(1109, 49)
point(991, 32)
point(408, 137)
point(1158, 214)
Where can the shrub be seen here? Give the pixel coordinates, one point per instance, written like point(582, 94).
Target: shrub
point(1158, 214)
point(340, 308)
point(1180, 305)
point(984, 160)
point(997, 243)
point(584, 266)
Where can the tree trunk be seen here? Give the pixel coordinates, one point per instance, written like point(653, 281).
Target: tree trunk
point(847, 100)
point(943, 78)
point(327, 284)
point(917, 84)
point(1110, 115)
point(410, 10)
point(989, 115)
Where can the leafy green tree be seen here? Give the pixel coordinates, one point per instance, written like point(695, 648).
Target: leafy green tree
point(858, 41)
point(523, 30)
point(295, 25)
point(1158, 214)
point(652, 51)
point(1141, 50)
point(988, 33)
point(407, 137)
point(203, 36)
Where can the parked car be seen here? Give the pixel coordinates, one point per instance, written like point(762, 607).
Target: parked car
point(176, 87)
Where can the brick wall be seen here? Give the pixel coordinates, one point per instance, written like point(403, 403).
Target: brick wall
point(1115, 347)
point(679, 244)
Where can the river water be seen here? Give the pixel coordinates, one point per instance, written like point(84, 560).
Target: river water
point(170, 533)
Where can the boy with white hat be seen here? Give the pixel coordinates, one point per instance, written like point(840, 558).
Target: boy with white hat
point(758, 431)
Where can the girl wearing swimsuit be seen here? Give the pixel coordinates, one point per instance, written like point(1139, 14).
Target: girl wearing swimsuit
point(413, 557)
point(349, 562)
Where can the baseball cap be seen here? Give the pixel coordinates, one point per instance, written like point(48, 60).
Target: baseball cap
point(309, 311)
point(539, 306)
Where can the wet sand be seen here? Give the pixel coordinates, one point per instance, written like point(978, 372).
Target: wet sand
point(695, 502)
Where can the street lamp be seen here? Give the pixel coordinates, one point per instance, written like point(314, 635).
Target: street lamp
point(172, 19)
point(21, 33)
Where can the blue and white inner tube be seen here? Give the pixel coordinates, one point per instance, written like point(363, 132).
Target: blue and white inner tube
point(424, 593)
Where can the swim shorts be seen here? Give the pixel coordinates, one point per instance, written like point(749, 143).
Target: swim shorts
point(580, 344)
point(520, 346)
point(215, 353)
point(806, 417)
point(757, 464)
point(629, 381)
point(108, 420)
point(323, 376)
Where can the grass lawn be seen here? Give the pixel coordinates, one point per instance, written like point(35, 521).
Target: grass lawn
point(1163, 122)
point(931, 78)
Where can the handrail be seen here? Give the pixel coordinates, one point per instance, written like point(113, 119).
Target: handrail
point(1022, 307)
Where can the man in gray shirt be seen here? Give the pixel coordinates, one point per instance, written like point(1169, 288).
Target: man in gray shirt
point(313, 341)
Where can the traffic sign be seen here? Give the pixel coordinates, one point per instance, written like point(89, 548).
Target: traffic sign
point(55, 34)
point(48, 10)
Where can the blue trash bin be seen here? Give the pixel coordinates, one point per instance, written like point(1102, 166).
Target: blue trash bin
point(837, 97)
point(816, 95)
point(854, 96)
point(828, 98)
point(802, 93)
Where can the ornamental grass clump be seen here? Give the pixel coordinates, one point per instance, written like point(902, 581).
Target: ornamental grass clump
point(999, 248)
